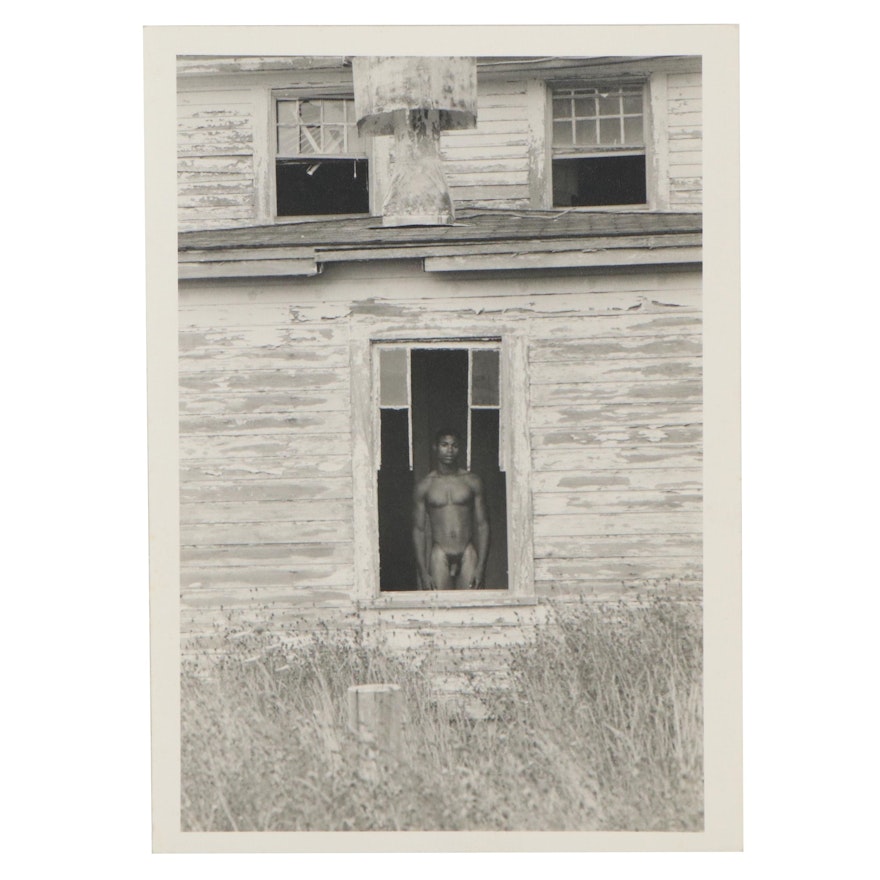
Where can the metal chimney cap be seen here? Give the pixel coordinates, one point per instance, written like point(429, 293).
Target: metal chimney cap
point(385, 84)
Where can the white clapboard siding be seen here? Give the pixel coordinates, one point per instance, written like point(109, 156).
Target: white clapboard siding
point(489, 165)
point(215, 148)
point(267, 496)
point(685, 129)
point(615, 429)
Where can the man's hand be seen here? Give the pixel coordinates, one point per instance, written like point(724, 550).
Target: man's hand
point(477, 580)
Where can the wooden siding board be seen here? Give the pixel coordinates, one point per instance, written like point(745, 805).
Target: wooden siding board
point(599, 501)
point(266, 532)
point(294, 492)
point(616, 459)
point(302, 467)
point(254, 446)
point(237, 555)
point(659, 545)
point(303, 577)
point(662, 480)
point(312, 510)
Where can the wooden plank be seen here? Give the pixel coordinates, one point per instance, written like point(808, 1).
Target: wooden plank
point(193, 339)
point(554, 503)
point(517, 449)
point(659, 546)
point(190, 96)
point(540, 192)
point(248, 268)
point(471, 191)
point(691, 78)
point(457, 178)
point(615, 459)
point(202, 534)
point(548, 330)
point(678, 92)
point(622, 413)
point(623, 435)
point(301, 577)
point(300, 467)
point(329, 357)
point(597, 525)
point(192, 404)
point(456, 152)
point(444, 616)
point(364, 442)
point(320, 299)
point(259, 598)
point(632, 569)
point(271, 490)
point(678, 172)
point(614, 591)
point(192, 126)
point(677, 480)
point(266, 423)
point(294, 511)
point(233, 555)
point(509, 111)
point(684, 118)
point(658, 154)
point(208, 214)
point(209, 199)
point(641, 369)
point(263, 445)
point(567, 259)
point(553, 350)
point(248, 381)
point(610, 393)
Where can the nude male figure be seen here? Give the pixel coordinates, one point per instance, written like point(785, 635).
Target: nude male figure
point(451, 501)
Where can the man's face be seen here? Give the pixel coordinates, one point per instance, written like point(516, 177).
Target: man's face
point(447, 449)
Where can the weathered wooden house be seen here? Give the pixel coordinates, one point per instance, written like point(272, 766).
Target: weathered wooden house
point(339, 305)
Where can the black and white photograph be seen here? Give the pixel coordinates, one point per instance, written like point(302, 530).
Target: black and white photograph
point(440, 453)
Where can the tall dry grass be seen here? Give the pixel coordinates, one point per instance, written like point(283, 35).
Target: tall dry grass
point(601, 728)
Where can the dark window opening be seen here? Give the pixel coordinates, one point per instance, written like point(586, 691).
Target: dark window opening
point(599, 180)
point(424, 390)
point(321, 186)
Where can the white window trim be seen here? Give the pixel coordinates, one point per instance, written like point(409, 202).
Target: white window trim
point(655, 136)
point(514, 402)
point(265, 155)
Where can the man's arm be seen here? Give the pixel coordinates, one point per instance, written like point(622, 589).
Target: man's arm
point(481, 527)
point(420, 516)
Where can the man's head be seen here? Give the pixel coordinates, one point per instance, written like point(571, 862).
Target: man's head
point(447, 444)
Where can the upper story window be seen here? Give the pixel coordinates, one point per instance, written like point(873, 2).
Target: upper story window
point(320, 160)
point(599, 146)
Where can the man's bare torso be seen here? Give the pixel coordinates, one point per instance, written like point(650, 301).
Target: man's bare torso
point(449, 500)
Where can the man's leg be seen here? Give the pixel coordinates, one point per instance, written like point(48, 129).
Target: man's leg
point(468, 568)
point(439, 568)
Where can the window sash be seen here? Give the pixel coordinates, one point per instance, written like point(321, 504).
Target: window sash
point(316, 127)
point(598, 119)
point(468, 345)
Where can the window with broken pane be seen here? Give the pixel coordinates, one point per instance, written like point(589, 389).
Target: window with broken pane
point(320, 158)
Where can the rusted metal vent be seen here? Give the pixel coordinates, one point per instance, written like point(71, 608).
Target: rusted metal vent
point(414, 99)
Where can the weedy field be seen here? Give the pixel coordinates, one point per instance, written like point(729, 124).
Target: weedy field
point(600, 729)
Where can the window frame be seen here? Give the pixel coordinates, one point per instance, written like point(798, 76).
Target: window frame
point(648, 150)
point(308, 94)
point(514, 451)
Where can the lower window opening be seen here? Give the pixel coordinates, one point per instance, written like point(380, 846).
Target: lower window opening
point(447, 392)
point(599, 180)
point(314, 186)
